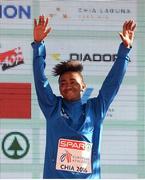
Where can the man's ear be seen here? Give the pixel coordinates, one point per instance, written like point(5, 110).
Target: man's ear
point(84, 86)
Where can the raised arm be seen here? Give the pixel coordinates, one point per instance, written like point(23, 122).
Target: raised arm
point(44, 92)
point(113, 80)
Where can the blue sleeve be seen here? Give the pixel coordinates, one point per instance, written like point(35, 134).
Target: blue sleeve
point(45, 95)
point(112, 82)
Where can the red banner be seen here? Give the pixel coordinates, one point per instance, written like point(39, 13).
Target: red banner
point(15, 100)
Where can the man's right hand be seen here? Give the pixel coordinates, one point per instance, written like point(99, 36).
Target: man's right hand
point(40, 29)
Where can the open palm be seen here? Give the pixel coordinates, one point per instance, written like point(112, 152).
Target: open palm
point(127, 35)
point(40, 29)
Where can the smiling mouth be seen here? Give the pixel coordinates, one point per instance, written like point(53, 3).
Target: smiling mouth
point(69, 91)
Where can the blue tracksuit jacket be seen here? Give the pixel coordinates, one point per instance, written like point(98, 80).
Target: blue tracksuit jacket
point(72, 124)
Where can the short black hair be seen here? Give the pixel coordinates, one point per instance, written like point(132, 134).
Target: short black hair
point(67, 66)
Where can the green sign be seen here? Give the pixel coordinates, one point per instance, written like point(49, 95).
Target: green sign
point(15, 145)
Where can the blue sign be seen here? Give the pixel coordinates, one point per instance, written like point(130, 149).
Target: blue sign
point(15, 11)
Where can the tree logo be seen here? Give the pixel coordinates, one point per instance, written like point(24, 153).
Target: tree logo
point(15, 145)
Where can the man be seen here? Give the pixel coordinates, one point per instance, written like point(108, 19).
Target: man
point(73, 129)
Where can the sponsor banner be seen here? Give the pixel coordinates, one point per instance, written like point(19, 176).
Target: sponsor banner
point(16, 14)
point(16, 146)
point(96, 55)
point(11, 58)
point(15, 56)
point(119, 147)
point(15, 100)
point(93, 15)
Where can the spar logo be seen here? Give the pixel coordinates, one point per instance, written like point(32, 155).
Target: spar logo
point(72, 144)
point(66, 157)
point(11, 58)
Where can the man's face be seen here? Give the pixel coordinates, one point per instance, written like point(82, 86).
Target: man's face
point(71, 85)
